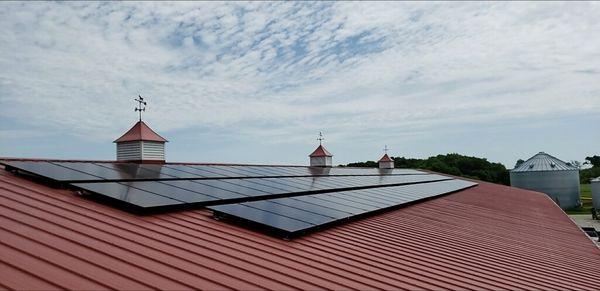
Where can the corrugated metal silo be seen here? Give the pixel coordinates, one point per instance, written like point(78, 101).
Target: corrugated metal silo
point(596, 193)
point(547, 174)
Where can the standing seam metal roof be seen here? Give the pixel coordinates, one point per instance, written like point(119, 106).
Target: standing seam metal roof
point(544, 162)
point(487, 237)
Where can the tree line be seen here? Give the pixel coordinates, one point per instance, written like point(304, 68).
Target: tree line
point(476, 168)
point(453, 164)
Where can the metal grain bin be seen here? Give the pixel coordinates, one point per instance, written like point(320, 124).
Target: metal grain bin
point(596, 193)
point(547, 174)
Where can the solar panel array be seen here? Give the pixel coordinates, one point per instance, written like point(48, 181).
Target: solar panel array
point(292, 216)
point(107, 171)
point(288, 200)
point(149, 194)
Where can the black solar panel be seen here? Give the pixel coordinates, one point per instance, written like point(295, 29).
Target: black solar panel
point(51, 171)
point(90, 172)
point(291, 216)
point(219, 191)
point(287, 200)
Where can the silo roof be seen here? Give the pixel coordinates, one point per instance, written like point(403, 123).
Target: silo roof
point(544, 162)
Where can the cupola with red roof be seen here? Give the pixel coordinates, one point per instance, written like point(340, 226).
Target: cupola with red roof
point(320, 157)
point(386, 162)
point(141, 143)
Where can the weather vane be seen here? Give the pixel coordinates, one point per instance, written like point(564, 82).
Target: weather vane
point(141, 102)
point(385, 149)
point(320, 138)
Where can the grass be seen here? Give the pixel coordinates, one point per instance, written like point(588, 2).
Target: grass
point(586, 191)
point(586, 201)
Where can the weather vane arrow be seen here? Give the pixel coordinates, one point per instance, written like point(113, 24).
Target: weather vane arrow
point(320, 138)
point(141, 105)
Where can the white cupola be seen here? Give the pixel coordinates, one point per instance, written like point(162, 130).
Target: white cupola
point(320, 157)
point(386, 162)
point(141, 144)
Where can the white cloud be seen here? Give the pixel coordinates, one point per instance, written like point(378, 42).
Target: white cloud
point(352, 68)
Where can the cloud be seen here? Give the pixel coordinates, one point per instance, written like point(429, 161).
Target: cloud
point(279, 70)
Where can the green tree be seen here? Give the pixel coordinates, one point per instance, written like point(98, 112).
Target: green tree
point(593, 160)
point(367, 164)
point(453, 164)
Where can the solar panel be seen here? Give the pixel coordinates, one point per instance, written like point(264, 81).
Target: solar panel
point(107, 171)
point(219, 191)
point(131, 195)
point(51, 171)
point(286, 200)
point(292, 216)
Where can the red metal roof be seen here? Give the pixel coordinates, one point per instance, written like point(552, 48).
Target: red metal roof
point(140, 131)
point(386, 158)
point(486, 237)
point(321, 152)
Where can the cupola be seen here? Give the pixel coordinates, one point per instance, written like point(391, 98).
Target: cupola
point(140, 143)
point(386, 162)
point(320, 157)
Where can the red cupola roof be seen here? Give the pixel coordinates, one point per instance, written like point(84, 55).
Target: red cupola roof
point(386, 158)
point(141, 132)
point(321, 152)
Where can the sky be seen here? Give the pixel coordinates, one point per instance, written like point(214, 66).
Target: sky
point(255, 82)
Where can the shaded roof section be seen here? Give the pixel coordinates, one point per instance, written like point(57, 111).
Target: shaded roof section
point(141, 132)
point(321, 152)
point(487, 237)
point(385, 158)
point(544, 162)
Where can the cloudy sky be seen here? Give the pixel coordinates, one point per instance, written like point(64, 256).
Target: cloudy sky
point(256, 82)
